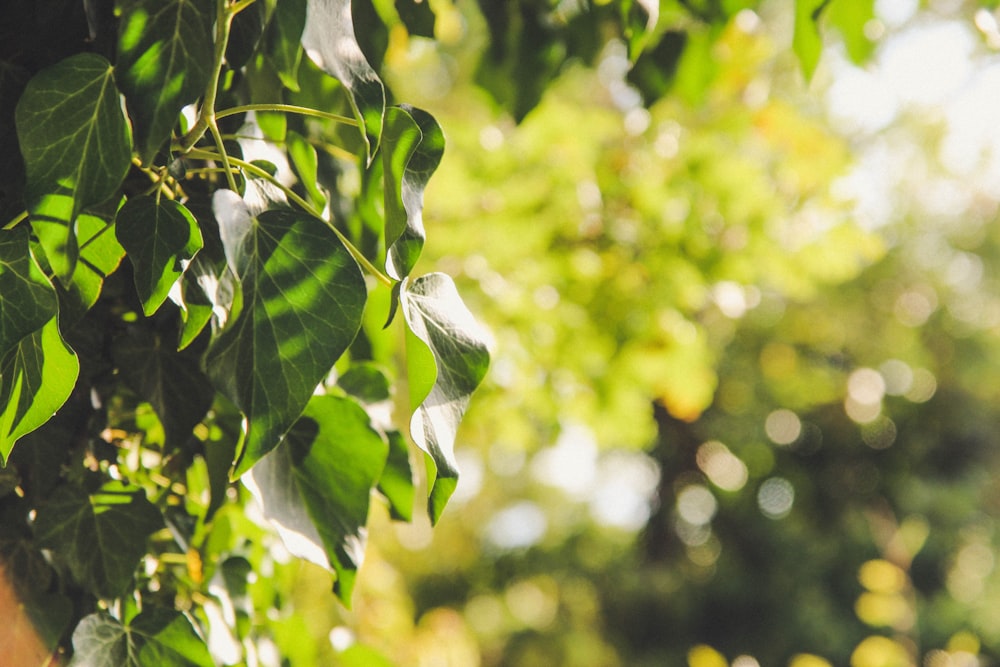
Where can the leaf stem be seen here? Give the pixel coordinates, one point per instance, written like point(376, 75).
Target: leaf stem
point(17, 219)
point(239, 6)
point(304, 205)
point(206, 116)
point(214, 127)
point(287, 108)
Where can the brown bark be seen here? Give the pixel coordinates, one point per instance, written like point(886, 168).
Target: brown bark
point(20, 645)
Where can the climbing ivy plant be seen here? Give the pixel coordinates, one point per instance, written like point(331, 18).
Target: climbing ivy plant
point(211, 216)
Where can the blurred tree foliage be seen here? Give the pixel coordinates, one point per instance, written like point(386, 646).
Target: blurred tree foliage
point(731, 421)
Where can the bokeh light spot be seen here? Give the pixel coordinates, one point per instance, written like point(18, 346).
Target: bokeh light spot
point(783, 427)
point(776, 497)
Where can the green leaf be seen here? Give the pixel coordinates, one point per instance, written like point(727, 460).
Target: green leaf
point(306, 163)
point(100, 255)
point(157, 636)
point(27, 299)
point(330, 42)
point(77, 148)
point(370, 386)
point(806, 40)
point(850, 17)
point(447, 358)
point(414, 144)
point(283, 40)
point(246, 31)
point(165, 53)
point(303, 299)
point(396, 482)
point(100, 536)
point(36, 378)
point(161, 237)
point(315, 487)
point(417, 16)
point(199, 294)
point(171, 381)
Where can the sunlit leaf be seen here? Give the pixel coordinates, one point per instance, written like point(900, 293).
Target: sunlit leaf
point(303, 296)
point(164, 61)
point(330, 42)
point(446, 362)
point(161, 237)
point(315, 486)
point(100, 255)
point(157, 636)
point(413, 146)
point(27, 300)
point(806, 40)
point(100, 536)
point(76, 145)
point(36, 378)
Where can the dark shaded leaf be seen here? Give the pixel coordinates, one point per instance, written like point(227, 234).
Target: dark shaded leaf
point(157, 636)
point(303, 296)
point(284, 40)
point(100, 255)
point(315, 487)
point(447, 358)
point(77, 148)
point(161, 237)
point(101, 537)
point(245, 33)
point(164, 61)
point(417, 16)
point(170, 380)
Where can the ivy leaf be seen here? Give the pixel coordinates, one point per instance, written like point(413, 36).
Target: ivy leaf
point(806, 40)
point(27, 299)
point(306, 164)
point(247, 29)
point(330, 42)
point(36, 378)
point(368, 385)
point(171, 381)
point(283, 40)
point(100, 536)
point(315, 487)
point(100, 255)
point(164, 62)
point(161, 237)
point(447, 358)
point(417, 16)
point(77, 148)
point(303, 296)
point(199, 296)
point(157, 636)
point(414, 144)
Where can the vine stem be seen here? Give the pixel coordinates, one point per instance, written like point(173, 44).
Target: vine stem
point(306, 206)
point(287, 108)
point(17, 219)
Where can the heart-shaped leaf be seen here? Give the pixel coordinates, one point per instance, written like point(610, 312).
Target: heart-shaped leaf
point(164, 61)
point(161, 237)
point(157, 636)
point(303, 296)
point(27, 300)
point(100, 255)
point(36, 378)
point(412, 148)
point(315, 487)
point(447, 358)
point(77, 148)
point(100, 536)
point(330, 42)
